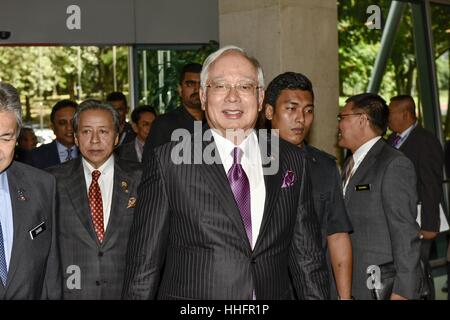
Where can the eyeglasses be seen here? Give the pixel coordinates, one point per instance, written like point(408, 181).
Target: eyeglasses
point(243, 88)
point(343, 115)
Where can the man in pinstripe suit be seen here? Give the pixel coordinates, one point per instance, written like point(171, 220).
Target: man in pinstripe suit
point(233, 228)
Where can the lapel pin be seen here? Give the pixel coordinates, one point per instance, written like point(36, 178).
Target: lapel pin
point(131, 202)
point(21, 195)
point(124, 186)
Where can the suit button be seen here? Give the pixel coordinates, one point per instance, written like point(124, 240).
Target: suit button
point(100, 254)
point(253, 261)
point(97, 283)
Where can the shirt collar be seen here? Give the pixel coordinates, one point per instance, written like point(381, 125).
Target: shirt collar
point(406, 133)
point(361, 152)
point(225, 146)
point(104, 168)
point(4, 181)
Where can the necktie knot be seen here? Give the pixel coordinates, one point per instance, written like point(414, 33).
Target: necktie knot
point(95, 175)
point(237, 155)
point(396, 140)
point(69, 154)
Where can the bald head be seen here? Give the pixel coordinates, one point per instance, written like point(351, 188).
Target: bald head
point(402, 113)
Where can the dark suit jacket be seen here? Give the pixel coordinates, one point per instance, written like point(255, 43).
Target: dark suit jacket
point(127, 152)
point(188, 241)
point(425, 152)
point(101, 265)
point(44, 156)
point(383, 214)
point(34, 270)
point(328, 199)
point(129, 134)
point(164, 125)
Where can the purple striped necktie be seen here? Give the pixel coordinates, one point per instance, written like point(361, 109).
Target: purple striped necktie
point(396, 140)
point(241, 190)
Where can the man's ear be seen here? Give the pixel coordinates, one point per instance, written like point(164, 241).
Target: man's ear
point(134, 127)
point(116, 140)
point(203, 99)
point(260, 100)
point(179, 89)
point(76, 140)
point(268, 112)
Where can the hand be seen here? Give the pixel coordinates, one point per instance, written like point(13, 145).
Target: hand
point(427, 235)
point(395, 296)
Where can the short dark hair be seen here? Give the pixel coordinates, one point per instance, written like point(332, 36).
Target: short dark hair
point(117, 96)
point(406, 98)
point(62, 104)
point(190, 67)
point(287, 80)
point(23, 132)
point(136, 114)
point(92, 104)
point(374, 107)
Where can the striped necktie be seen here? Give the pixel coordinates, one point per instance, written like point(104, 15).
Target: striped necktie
point(3, 267)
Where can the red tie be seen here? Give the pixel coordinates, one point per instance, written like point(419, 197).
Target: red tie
point(96, 205)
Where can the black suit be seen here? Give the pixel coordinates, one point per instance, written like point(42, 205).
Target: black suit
point(164, 125)
point(45, 156)
point(127, 151)
point(425, 152)
point(127, 135)
point(328, 199)
point(34, 270)
point(188, 241)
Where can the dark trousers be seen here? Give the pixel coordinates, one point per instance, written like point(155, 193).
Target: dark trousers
point(425, 256)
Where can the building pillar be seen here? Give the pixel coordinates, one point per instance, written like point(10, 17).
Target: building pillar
point(291, 35)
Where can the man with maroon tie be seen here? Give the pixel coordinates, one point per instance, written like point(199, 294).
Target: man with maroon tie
point(97, 195)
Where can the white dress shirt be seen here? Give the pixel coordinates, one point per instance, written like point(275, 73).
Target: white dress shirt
point(106, 183)
point(252, 165)
point(359, 156)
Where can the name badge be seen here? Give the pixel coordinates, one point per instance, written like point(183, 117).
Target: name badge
point(37, 230)
point(362, 187)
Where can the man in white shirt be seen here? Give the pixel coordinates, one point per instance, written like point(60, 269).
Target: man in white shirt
point(226, 229)
point(97, 195)
point(380, 202)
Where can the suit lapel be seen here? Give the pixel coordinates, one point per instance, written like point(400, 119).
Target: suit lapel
point(75, 187)
point(20, 203)
point(272, 185)
point(121, 184)
point(405, 144)
point(217, 180)
point(365, 165)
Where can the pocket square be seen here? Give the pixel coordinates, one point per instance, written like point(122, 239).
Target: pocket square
point(288, 180)
point(131, 202)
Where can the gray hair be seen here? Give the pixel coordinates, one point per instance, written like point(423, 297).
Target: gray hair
point(10, 102)
point(215, 55)
point(92, 104)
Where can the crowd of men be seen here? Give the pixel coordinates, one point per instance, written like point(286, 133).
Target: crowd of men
point(112, 210)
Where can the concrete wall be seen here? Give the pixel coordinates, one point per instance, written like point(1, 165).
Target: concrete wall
point(291, 35)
